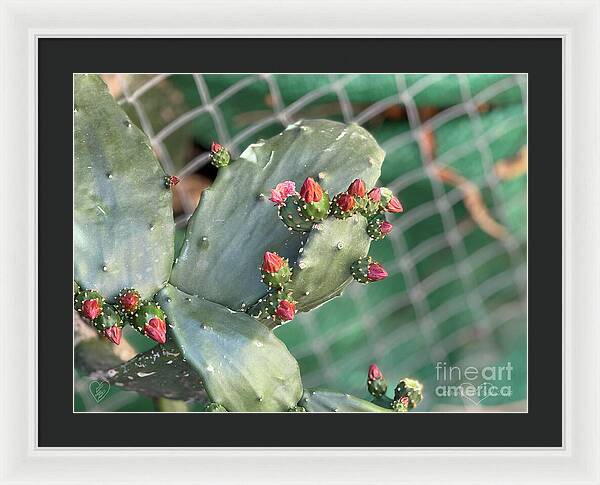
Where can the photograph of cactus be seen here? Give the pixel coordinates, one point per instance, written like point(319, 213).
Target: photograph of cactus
point(300, 242)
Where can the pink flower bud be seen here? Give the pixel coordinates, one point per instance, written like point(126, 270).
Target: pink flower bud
point(91, 309)
point(173, 180)
point(114, 334)
point(404, 400)
point(345, 202)
point(311, 191)
point(374, 373)
point(375, 194)
point(129, 301)
point(394, 205)
point(156, 329)
point(385, 227)
point(215, 147)
point(357, 188)
point(286, 310)
point(376, 272)
point(272, 262)
point(282, 191)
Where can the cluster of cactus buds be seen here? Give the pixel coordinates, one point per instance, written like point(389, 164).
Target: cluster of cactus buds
point(219, 156)
point(365, 270)
point(407, 394)
point(109, 320)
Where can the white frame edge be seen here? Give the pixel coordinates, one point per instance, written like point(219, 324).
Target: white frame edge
point(577, 22)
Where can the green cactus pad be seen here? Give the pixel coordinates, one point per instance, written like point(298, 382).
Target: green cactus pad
point(323, 267)
point(291, 215)
point(123, 229)
point(244, 367)
point(159, 372)
point(235, 223)
point(324, 401)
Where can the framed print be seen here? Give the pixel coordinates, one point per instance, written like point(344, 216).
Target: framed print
point(324, 249)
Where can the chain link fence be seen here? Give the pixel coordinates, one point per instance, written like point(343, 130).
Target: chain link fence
point(457, 158)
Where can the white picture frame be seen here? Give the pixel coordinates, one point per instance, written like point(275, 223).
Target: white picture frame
point(22, 23)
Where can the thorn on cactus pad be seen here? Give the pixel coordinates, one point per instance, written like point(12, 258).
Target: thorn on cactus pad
point(219, 156)
point(376, 383)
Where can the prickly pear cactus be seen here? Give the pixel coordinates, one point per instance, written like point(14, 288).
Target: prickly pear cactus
point(243, 366)
point(256, 252)
point(124, 229)
point(236, 222)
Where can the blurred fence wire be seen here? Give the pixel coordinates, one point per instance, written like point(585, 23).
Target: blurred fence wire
point(456, 155)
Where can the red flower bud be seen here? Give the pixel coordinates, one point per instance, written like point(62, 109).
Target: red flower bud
point(375, 194)
point(374, 373)
point(272, 262)
point(173, 180)
point(129, 301)
point(345, 202)
point(311, 191)
point(404, 400)
point(282, 191)
point(357, 188)
point(376, 272)
point(215, 147)
point(286, 310)
point(385, 227)
point(156, 329)
point(91, 309)
point(394, 205)
point(114, 334)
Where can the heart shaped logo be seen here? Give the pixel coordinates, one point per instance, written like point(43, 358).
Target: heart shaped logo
point(99, 389)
